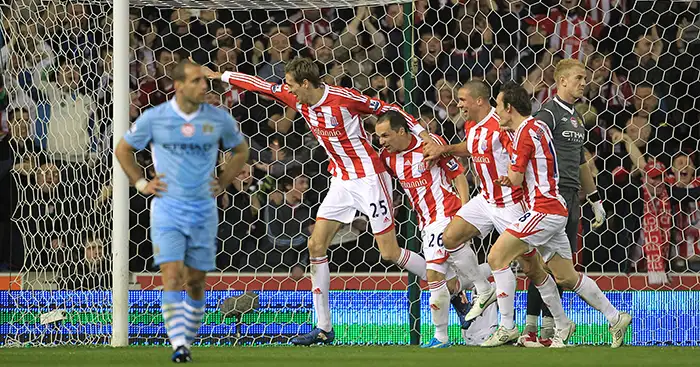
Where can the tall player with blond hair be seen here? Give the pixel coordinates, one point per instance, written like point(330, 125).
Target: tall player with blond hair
point(540, 231)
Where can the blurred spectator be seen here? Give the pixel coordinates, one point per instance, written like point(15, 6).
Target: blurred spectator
point(88, 267)
point(158, 89)
point(656, 222)
point(607, 90)
point(66, 119)
point(277, 159)
point(277, 53)
point(445, 110)
point(570, 29)
point(309, 23)
point(687, 217)
point(239, 230)
point(289, 218)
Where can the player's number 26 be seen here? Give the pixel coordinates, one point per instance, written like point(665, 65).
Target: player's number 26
point(435, 239)
point(382, 206)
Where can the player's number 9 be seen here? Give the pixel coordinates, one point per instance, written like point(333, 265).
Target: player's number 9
point(433, 239)
point(382, 206)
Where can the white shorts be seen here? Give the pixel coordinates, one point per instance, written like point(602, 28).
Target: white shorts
point(544, 232)
point(486, 217)
point(433, 249)
point(370, 195)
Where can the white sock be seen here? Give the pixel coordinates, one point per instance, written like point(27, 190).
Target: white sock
point(588, 290)
point(193, 312)
point(505, 290)
point(173, 317)
point(412, 262)
point(550, 297)
point(464, 260)
point(320, 286)
point(440, 308)
point(485, 270)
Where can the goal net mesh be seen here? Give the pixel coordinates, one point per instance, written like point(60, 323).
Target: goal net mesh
point(640, 106)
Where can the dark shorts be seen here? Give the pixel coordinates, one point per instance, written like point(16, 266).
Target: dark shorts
point(574, 208)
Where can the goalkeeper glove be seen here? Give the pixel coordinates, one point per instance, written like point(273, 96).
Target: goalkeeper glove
point(597, 206)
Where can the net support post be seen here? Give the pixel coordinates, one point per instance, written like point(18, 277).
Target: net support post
point(409, 107)
point(120, 182)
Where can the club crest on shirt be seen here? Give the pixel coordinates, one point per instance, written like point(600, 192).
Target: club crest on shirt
point(574, 121)
point(277, 88)
point(187, 130)
point(207, 128)
point(422, 167)
point(484, 145)
point(334, 121)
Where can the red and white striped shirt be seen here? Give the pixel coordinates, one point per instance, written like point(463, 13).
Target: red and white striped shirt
point(334, 121)
point(429, 189)
point(535, 157)
point(568, 33)
point(490, 151)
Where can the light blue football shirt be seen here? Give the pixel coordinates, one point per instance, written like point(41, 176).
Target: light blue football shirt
point(185, 147)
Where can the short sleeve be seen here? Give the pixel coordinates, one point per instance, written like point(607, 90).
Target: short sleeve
point(230, 135)
point(522, 151)
point(451, 166)
point(141, 132)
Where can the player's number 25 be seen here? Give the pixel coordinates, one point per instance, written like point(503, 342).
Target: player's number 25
point(435, 239)
point(382, 206)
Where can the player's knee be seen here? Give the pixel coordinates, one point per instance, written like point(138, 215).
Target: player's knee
point(450, 239)
point(316, 247)
point(496, 260)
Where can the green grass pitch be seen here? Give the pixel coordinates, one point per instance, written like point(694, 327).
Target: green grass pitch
point(363, 356)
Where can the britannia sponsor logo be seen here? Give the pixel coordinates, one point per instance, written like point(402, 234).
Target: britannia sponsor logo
point(328, 133)
point(412, 184)
point(481, 159)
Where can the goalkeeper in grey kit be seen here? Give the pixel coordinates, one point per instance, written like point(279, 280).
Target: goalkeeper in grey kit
point(569, 135)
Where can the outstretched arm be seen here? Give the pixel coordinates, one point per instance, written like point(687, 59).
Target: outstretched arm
point(435, 151)
point(371, 106)
point(251, 83)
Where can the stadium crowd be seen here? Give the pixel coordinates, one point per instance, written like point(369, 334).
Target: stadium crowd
point(640, 110)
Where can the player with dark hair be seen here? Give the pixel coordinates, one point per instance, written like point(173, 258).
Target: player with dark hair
point(185, 135)
point(540, 230)
point(360, 181)
point(430, 191)
point(569, 136)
